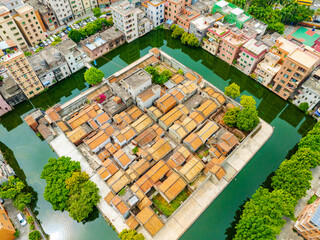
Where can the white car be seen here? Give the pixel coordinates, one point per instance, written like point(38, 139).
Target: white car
point(52, 38)
point(62, 34)
point(45, 43)
point(94, 18)
point(21, 219)
point(83, 55)
point(49, 41)
point(76, 26)
point(33, 49)
point(84, 23)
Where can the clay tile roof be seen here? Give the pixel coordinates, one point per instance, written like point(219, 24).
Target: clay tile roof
point(155, 51)
point(122, 158)
point(138, 168)
point(142, 123)
point(178, 95)
point(145, 202)
point(62, 126)
point(174, 115)
point(230, 139)
point(147, 94)
point(120, 205)
point(146, 137)
point(103, 173)
point(191, 169)
point(54, 116)
point(194, 141)
point(109, 197)
point(179, 156)
point(215, 152)
point(191, 77)
point(218, 160)
point(102, 118)
point(149, 220)
point(103, 155)
point(172, 186)
point(77, 135)
point(160, 149)
point(177, 79)
point(93, 124)
point(136, 190)
point(119, 136)
point(110, 166)
point(83, 116)
point(166, 103)
point(157, 129)
point(207, 130)
point(107, 128)
point(128, 132)
point(126, 117)
point(134, 112)
point(118, 181)
point(132, 222)
point(224, 146)
point(207, 107)
point(197, 117)
point(96, 140)
point(110, 148)
point(218, 171)
point(155, 111)
point(117, 119)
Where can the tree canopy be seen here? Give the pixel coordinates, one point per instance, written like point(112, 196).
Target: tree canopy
point(247, 119)
point(93, 76)
point(75, 35)
point(34, 235)
point(248, 102)
point(12, 188)
point(96, 12)
point(304, 106)
point(130, 235)
point(233, 90)
point(230, 118)
point(157, 78)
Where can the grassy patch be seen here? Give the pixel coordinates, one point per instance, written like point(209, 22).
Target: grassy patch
point(169, 208)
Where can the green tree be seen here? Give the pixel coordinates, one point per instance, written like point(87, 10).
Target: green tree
point(193, 41)
point(185, 38)
point(230, 118)
point(233, 90)
point(96, 12)
point(83, 33)
point(83, 196)
point(12, 188)
point(180, 71)
point(130, 235)
point(56, 172)
point(91, 28)
point(34, 235)
point(21, 200)
point(27, 54)
point(177, 32)
point(307, 158)
point(30, 220)
point(247, 119)
point(167, 74)
point(248, 102)
point(74, 35)
point(93, 76)
point(304, 106)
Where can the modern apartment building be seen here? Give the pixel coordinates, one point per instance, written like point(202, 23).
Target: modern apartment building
point(214, 35)
point(10, 30)
point(13, 59)
point(231, 44)
point(308, 223)
point(267, 68)
point(6, 228)
point(155, 11)
point(172, 8)
point(283, 48)
point(251, 54)
point(125, 19)
point(49, 65)
point(30, 24)
point(11, 4)
point(46, 13)
point(77, 8)
point(199, 26)
point(296, 67)
point(186, 16)
point(62, 10)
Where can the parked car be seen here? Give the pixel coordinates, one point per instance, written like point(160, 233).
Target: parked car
point(41, 44)
point(52, 38)
point(94, 18)
point(21, 219)
point(65, 31)
point(68, 28)
point(103, 16)
point(36, 46)
point(91, 19)
point(84, 23)
point(83, 55)
point(58, 35)
point(108, 13)
point(316, 20)
point(49, 41)
point(45, 43)
point(62, 34)
point(80, 24)
point(76, 26)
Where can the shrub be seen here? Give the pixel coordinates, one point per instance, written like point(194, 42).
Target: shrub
point(312, 199)
point(233, 90)
point(30, 220)
point(177, 32)
point(304, 106)
point(101, 98)
point(34, 235)
point(230, 118)
point(180, 71)
point(130, 235)
point(17, 233)
point(32, 227)
point(27, 54)
point(96, 12)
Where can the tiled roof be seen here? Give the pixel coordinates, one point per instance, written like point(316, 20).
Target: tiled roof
point(122, 158)
point(83, 116)
point(96, 140)
point(207, 130)
point(194, 141)
point(149, 220)
point(128, 132)
point(102, 118)
point(191, 169)
point(134, 112)
point(166, 103)
point(138, 168)
point(142, 123)
point(179, 157)
point(172, 186)
point(132, 222)
point(107, 128)
point(120, 205)
point(174, 115)
point(160, 149)
point(118, 181)
point(77, 134)
point(207, 107)
point(197, 116)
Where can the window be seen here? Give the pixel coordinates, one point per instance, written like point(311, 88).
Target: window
point(285, 75)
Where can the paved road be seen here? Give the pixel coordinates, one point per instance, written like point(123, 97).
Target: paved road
point(12, 212)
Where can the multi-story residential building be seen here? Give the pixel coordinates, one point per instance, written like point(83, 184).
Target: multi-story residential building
point(46, 13)
point(185, 17)
point(155, 11)
point(251, 54)
point(10, 30)
point(257, 25)
point(144, 24)
point(77, 8)
point(125, 19)
point(4, 107)
point(104, 3)
point(308, 223)
point(71, 54)
point(13, 59)
point(296, 67)
point(267, 68)
point(30, 24)
point(200, 25)
point(9, 89)
point(49, 65)
point(5, 170)
point(232, 13)
point(62, 10)
point(309, 91)
point(283, 48)
point(214, 35)
point(201, 8)
point(7, 230)
point(231, 44)
point(101, 43)
point(11, 4)
point(172, 8)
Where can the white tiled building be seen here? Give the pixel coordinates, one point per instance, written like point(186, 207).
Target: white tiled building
point(125, 19)
point(62, 10)
point(155, 11)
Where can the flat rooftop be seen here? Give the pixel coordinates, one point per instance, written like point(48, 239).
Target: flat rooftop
point(137, 78)
point(304, 57)
point(3, 10)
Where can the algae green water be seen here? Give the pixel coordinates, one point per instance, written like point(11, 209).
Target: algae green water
point(289, 122)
